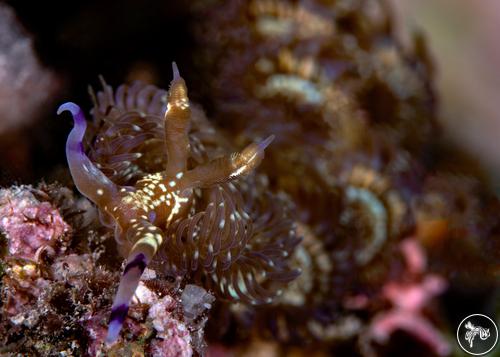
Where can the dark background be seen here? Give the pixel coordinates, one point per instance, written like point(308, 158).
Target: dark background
point(79, 40)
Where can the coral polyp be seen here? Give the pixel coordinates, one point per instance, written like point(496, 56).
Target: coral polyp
point(196, 213)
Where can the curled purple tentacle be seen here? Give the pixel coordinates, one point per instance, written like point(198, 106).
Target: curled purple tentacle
point(89, 180)
point(74, 142)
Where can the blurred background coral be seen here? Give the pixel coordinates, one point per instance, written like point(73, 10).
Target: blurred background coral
point(462, 36)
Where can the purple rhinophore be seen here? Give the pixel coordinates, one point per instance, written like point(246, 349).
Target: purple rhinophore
point(266, 142)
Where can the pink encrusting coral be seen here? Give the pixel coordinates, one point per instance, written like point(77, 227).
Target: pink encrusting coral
point(29, 224)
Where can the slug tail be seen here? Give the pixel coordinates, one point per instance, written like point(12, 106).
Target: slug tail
point(141, 254)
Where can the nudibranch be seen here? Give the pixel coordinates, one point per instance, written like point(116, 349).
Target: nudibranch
point(205, 222)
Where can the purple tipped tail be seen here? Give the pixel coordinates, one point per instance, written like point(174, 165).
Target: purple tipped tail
point(118, 315)
point(128, 283)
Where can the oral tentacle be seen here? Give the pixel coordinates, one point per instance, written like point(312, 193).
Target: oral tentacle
point(226, 168)
point(89, 180)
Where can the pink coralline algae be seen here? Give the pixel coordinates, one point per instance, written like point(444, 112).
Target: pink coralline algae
point(409, 299)
point(175, 332)
point(175, 339)
point(56, 296)
point(29, 224)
